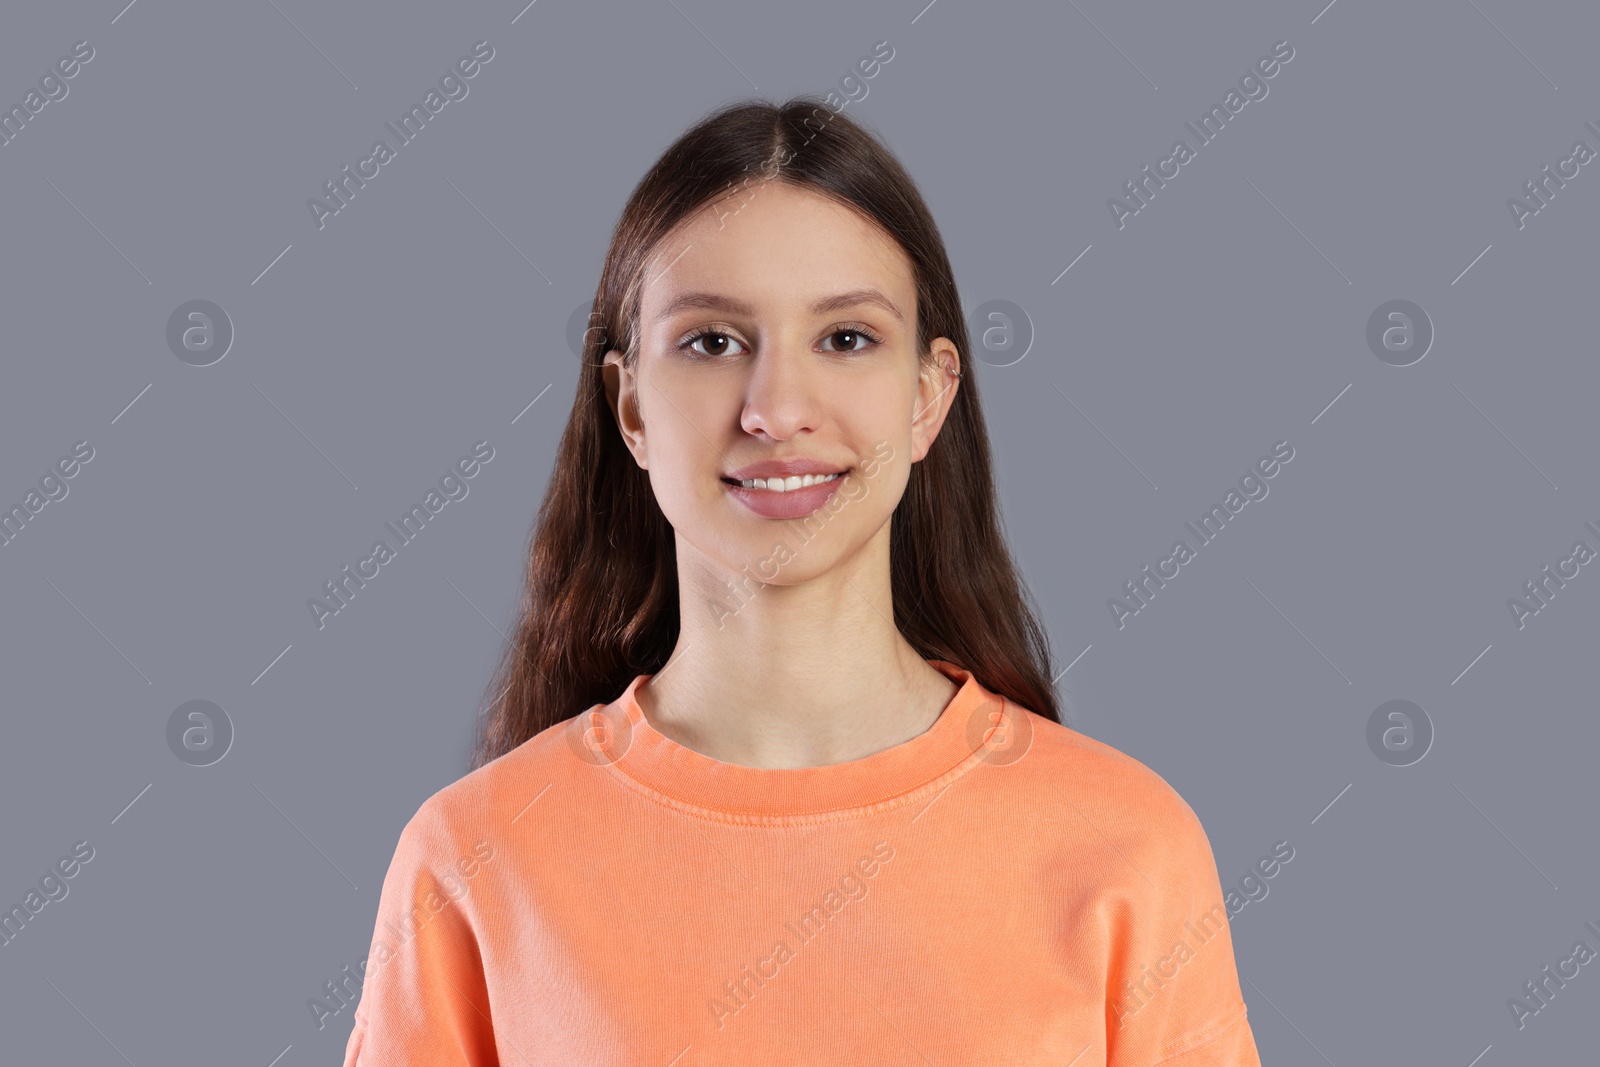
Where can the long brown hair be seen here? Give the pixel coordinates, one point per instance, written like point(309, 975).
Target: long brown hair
point(600, 600)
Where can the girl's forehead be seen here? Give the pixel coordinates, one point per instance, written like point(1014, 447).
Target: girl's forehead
point(775, 254)
point(772, 220)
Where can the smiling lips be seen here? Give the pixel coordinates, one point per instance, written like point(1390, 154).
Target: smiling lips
point(789, 484)
point(784, 489)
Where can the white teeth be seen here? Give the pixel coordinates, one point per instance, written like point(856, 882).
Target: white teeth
point(785, 485)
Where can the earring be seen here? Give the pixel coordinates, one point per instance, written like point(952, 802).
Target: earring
point(952, 370)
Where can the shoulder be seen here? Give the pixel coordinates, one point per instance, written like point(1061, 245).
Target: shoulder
point(1111, 795)
point(1095, 771)
point(490, 801)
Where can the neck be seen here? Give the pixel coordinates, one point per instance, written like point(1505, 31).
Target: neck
point(804, 674)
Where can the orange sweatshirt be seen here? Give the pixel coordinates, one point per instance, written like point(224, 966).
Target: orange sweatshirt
point(999, 889)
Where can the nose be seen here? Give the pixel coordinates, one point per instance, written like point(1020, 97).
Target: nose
point(783, 395)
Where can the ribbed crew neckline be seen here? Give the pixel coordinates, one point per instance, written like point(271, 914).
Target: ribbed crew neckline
point(680, 774)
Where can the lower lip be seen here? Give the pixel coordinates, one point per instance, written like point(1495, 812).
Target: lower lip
point(794, 504)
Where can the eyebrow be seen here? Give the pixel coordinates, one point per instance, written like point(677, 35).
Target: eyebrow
point(837, 302)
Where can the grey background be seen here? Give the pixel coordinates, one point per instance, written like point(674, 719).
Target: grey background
point(1227, 315)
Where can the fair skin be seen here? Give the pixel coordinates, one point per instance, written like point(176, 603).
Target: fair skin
point(803, 665)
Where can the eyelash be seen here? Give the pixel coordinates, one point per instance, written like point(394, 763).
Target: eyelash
point(844, 327)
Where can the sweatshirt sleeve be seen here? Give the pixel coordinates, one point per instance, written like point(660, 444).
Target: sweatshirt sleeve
point(1173, 995)
point(424, 999)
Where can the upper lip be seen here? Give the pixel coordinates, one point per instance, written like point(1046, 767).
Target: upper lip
point(782, 468)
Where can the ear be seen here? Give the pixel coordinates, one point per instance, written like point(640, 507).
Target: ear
point(622, 396)
point(936, 391)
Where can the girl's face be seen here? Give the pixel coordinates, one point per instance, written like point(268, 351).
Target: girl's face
point(779, 326)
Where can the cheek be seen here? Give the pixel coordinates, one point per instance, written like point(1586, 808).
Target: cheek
point(883, 485)
point(873, 405)
point(685, 422)
point(685, 445)
point(684, 466)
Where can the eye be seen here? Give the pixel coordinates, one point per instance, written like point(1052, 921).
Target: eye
point(721, 339)
point(855, 332)
point(853, 337)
